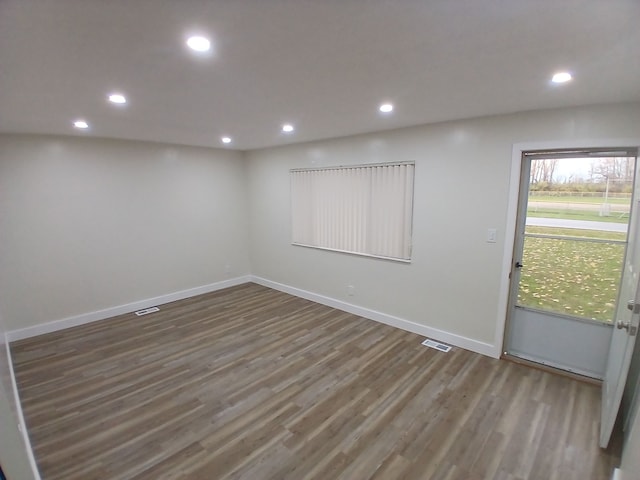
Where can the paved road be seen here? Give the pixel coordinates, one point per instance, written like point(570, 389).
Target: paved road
point(581, 224)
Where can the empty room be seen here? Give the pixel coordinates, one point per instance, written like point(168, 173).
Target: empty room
point(300, 239)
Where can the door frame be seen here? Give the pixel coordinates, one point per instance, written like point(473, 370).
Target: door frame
point(512, 213)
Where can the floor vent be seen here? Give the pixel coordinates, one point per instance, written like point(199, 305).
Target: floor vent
point(437, 345)
point(147, 311)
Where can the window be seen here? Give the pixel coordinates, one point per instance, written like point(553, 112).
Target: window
point(364, 209)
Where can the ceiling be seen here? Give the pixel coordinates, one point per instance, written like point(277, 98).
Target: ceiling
point(322, 65)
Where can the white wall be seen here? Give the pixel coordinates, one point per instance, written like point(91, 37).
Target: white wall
point(90, 224)
point(461, 189)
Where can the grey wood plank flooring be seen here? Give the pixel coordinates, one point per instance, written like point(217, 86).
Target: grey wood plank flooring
point(251, 383)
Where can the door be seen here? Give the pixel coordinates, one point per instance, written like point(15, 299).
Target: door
point(625, 333)
point(630, 462)
point(569, 251)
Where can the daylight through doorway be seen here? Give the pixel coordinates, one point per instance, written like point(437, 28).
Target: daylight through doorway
point(569, 252)
point(575, 235)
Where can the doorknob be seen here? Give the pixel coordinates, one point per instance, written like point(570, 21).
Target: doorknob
point(632, 329)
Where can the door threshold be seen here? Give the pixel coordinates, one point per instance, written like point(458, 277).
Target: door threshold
point(548, 369)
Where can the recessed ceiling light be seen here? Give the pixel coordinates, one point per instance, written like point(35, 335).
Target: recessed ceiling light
point(287, 128)
point(226, 139)
point(81, 124)
point(561, 77)
point(117, 98)
point(386, 108)
point(199, 44)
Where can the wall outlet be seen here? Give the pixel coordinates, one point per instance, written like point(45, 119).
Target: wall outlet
point(227, 269)
point(351, 290)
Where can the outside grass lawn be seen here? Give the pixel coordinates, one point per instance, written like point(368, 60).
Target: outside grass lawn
point(574, 232)
point(575, 199)
point(571, 276)
point(578, 215)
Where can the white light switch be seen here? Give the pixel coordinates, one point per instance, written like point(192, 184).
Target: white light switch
point(491, 235)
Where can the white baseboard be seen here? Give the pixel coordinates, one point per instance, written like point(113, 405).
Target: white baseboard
point(434, 333)
point(22, 426)
point(89, 317)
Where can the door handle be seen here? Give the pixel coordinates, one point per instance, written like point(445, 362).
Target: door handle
point(519, 265)
point(631, 329)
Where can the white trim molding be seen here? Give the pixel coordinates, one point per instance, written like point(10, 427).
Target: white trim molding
point(89, 317)
point(407, 325)
point(22, 426)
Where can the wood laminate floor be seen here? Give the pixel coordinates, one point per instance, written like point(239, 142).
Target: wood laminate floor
point(250, 383)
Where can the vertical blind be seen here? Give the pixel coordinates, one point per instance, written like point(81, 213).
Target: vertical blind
point(365, 209)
